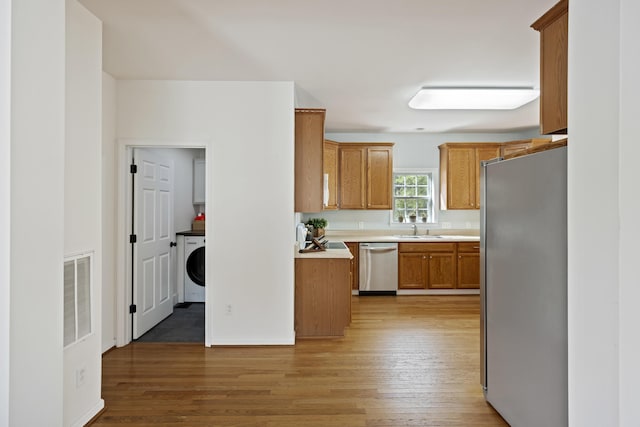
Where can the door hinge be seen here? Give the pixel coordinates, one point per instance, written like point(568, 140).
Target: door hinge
point(172, 244)
point(132, 308)
point(134, 169)
point(133, 238)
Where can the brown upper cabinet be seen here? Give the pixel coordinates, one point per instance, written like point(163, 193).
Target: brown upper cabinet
point(330, 167)
point(460, 173)
point(309, 146)
point(365, 171)
point(553, 27)
point(513, 147)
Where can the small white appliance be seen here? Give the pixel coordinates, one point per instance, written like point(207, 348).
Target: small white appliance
point(301, 235)
point(194, 268)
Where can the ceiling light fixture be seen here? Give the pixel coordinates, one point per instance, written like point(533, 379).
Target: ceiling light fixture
point(472, 98)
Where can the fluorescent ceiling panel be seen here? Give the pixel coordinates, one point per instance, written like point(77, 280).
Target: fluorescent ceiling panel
point(472, 98)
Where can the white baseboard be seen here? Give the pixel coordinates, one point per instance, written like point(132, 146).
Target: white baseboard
point(84, 419)
point(439, 292)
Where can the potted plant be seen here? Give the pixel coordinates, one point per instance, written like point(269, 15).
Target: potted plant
point(412, 217)
point(424, 217)
point(400, 218)
point(318, 226)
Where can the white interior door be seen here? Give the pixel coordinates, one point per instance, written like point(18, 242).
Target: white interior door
point(153, 227)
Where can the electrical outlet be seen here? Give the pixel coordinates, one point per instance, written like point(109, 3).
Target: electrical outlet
point(80, 376)
point(446, 225)
point(360, 225)
point(227, 310)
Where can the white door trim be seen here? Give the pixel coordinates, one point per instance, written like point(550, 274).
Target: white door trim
point(123, 247)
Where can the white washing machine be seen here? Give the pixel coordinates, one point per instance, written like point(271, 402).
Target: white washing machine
point(194, 268)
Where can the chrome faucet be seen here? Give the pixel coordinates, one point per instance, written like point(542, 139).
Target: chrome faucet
point(415, 229)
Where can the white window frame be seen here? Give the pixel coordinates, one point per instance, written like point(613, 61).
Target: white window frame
point(435, 177)
point(74, 258)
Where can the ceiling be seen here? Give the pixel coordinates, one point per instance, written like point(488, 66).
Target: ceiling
point(362, 60)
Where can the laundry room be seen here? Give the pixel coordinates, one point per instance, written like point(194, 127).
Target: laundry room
point(169, 250)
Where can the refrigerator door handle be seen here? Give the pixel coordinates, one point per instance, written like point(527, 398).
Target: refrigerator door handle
point(483, 284)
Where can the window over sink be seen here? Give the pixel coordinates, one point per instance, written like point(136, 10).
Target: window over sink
point(414, 196)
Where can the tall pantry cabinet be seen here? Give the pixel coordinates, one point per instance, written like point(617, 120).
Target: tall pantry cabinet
point(554, 30)
point(309, 172)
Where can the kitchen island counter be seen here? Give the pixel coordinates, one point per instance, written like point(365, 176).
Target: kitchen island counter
point(322, 293)
point(327, 254)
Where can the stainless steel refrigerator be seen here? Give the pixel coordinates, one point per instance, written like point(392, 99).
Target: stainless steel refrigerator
point(523, 261)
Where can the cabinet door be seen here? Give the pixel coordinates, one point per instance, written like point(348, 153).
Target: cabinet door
point(442, 270)
point(322, 297)
point(468, 270)
point(330, 165)
point(379, 176)
point(309, 141)
point(352, 177)
point(509, 148)
point(483, 153)
point(354, 248)
point(553, 27)
point(412, 271)
point(199, 174)
point(461, 181)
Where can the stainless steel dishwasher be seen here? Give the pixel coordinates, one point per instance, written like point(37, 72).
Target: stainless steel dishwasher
point(378, 269)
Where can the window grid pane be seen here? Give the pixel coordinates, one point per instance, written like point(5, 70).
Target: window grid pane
point(412, 196)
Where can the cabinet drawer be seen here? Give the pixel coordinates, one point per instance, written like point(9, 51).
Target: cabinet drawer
point(426, 247)
point(468, 246)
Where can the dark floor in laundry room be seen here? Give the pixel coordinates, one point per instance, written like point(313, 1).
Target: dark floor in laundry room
point(186, 324)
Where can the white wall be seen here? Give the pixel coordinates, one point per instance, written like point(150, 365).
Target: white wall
point(36, 213)
point(629, 152)
point(412, 151)
point(593, 281)
point(83, 200)
point(249, 126)
point(603, 213)
point(5, 203)
point(109, 211)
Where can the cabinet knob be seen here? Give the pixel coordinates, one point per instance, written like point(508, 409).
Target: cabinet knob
point(460, 256)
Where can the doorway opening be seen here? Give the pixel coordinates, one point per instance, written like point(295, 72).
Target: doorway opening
point(163, 194)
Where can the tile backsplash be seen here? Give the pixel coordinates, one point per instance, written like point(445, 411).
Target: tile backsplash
point(380, 220)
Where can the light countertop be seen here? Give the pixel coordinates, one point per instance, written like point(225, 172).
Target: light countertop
point(399, 236)
point(328, 253)
point(404, 235)
point(406, 238)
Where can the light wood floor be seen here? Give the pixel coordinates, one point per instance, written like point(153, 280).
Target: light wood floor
point(405, 361)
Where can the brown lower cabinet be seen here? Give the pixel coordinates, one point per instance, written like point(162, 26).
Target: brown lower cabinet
point(354, 248)
point(468, 265)
point(439, 265)
point(322, 297)
point(426, 266)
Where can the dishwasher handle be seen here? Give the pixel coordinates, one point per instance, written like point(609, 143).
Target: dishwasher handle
point(386, 249)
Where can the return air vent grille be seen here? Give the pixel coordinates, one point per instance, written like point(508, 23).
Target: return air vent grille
point(77, 297)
